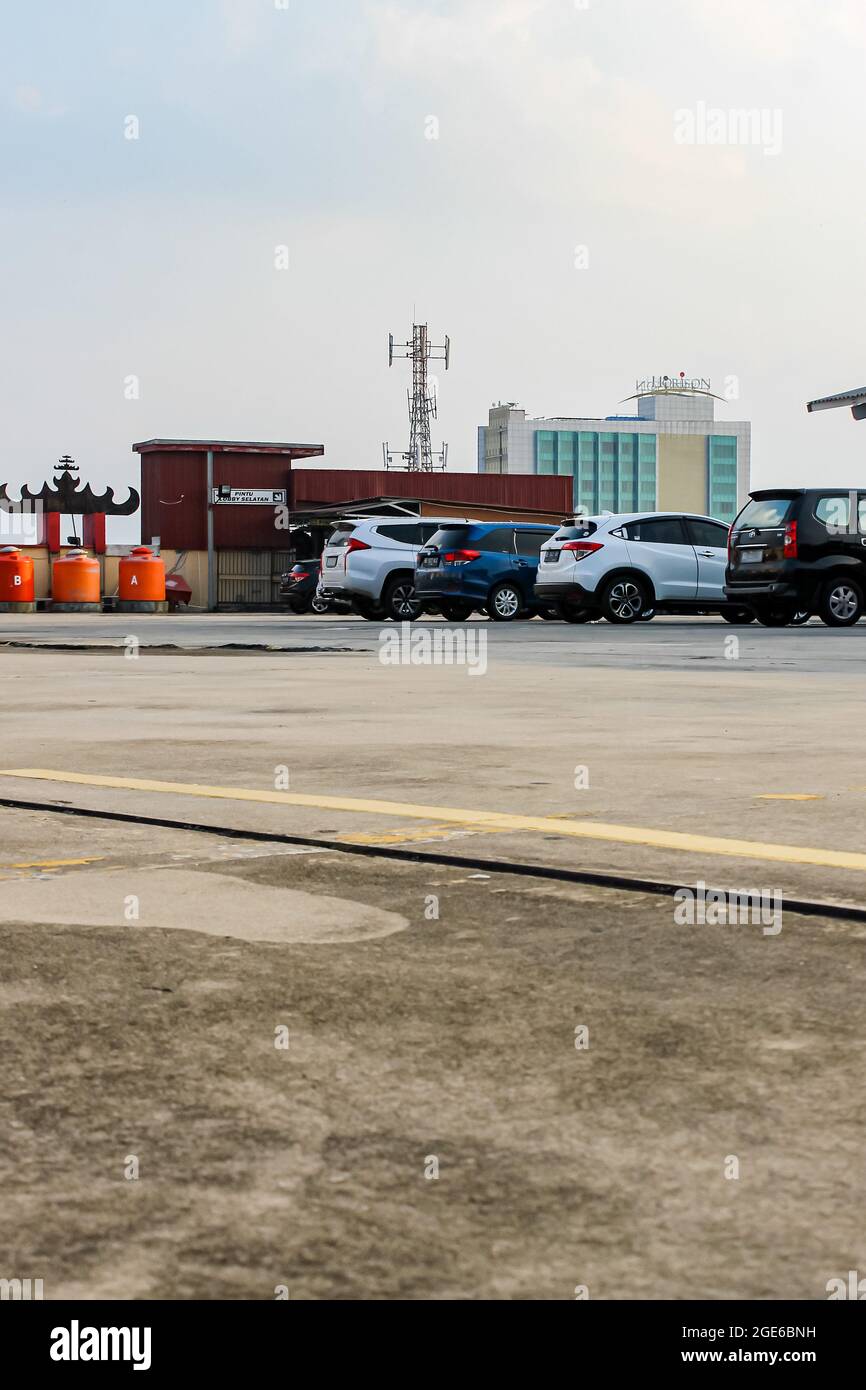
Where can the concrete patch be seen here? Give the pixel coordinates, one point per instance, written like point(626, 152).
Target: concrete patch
point(183, 899)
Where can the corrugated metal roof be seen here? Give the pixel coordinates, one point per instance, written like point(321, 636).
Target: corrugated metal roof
point(525, 490)
point(228, 446)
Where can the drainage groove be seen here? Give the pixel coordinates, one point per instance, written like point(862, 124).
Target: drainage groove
point(626, 883)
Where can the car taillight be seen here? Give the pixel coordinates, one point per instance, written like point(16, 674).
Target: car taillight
point(582, 548)
point(730, 540)
point(460, 557)
point(790, 547)
point(303, 575)
point(352, 545)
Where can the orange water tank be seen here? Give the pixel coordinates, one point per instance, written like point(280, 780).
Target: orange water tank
point(75, 581)
point(16, 579)
point(141, 577)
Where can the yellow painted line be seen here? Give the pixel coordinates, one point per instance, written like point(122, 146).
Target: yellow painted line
point(791, 796)
point(580, 830)
point(395, 837)
point(406, 834)
point(53, 863)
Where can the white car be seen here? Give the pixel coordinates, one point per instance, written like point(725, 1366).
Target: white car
point(372, 563)
point(628, 567)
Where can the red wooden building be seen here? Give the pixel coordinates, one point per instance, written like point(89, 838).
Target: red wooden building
point(254, 498)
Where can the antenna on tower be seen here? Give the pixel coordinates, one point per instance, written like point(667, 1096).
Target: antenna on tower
point(419, 457)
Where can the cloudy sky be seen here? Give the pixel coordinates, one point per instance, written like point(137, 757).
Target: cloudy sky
point(588, 212)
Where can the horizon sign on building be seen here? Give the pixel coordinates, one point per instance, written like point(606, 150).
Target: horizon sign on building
point(677, 382)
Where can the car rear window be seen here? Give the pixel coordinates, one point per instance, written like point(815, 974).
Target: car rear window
point(340, 536)
point(578, 532)
point(450, 537)
point(765, 512)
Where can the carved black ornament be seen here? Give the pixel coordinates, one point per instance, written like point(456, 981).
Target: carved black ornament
point(65, 496)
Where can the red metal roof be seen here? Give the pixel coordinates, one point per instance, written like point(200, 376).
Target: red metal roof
point(525, 490)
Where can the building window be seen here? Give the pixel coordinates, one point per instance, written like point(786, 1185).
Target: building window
point(545, 451)
point(565, 451)
point(627, 479)
point(586, 473)
point(722, 477)
point(646, 499)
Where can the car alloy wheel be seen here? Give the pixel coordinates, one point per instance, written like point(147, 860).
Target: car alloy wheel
point(504, 604)
point(402, 604)
point(624, 601)
point(841, 603)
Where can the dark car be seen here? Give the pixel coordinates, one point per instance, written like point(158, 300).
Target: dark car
point(795, 551)
point(298, 588)
point(482, 565)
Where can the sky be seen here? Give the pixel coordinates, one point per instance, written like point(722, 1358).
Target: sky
point(215, 211)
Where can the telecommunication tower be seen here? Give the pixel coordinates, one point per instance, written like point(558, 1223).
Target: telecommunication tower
point(419, 457)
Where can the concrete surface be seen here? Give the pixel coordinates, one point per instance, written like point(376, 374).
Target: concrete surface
point(664, 643)
point(454, 1040)
point(144, 972)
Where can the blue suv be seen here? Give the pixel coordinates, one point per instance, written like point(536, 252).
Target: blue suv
point(486, 565)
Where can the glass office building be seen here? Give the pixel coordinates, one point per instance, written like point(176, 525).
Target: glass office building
point(612, 471)
point(672, 456)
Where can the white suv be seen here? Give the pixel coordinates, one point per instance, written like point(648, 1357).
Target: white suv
point(372, 562)
point(630, 566)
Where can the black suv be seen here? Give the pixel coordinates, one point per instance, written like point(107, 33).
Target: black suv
point(794, 550)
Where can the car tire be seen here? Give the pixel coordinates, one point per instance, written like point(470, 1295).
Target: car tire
point(647, 615)
point(623, 599)
point(455, 612)
point(299, 606)
point(400, 601)
point(319, 605)
point(504, 603)
point(549, 615)
point(366, 608)
point(738, 615)
point(570, 613)
point(801, 617)
point(773, 617)
point(841, 603)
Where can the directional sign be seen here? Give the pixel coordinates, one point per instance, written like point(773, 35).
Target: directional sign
point(225, 495)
